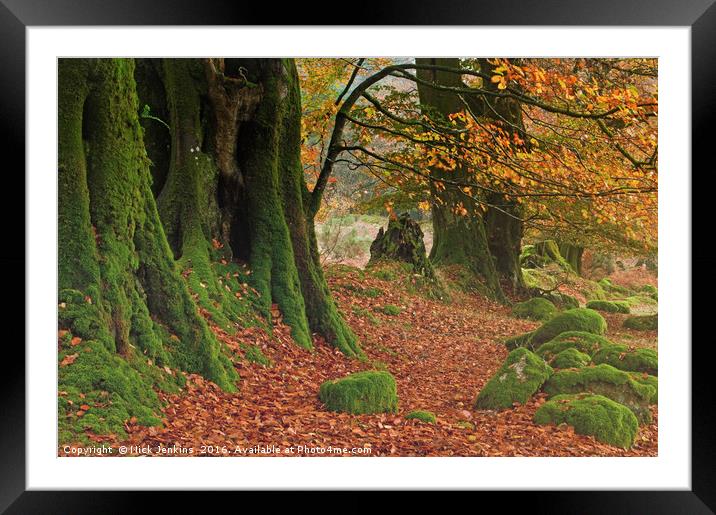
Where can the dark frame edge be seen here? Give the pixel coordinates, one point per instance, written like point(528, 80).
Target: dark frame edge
point(12, 143)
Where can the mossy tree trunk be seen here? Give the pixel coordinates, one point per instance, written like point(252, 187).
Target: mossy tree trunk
point(112, 246)
point(503, 218)
point(572, 254)
point(236, 178)
point(458, 239)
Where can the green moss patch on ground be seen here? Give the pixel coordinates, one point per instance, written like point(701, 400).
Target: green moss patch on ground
point(642, 323)
point(607, 381)
point(254, 354)
point(423, 416)
point(519, 377)
point(610, 306)
point(371, 391)
point(625, 358)
point(587, 343)
point(570, 358)
point(536, 308)
point(595, 415)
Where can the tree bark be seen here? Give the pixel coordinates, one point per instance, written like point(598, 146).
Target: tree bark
point(457, 239)
point(112, 247)
point(236, 178)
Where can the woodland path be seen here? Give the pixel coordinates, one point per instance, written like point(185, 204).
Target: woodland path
point(440, 354)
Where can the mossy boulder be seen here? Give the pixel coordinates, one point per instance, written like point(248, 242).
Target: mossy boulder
point(520, 340)
point(423, 416)
point(625, 358)
point(565, 300)
point(372, 391)
point(649, 289)
point(570, 358)
point(642, 323)
point(579, 319)
point(610, 287)
point(607, 381)
point(609, 306)
point(595, 415)
point(587, 343)
point(646, 379)
point(536, 308)
point(519, 377)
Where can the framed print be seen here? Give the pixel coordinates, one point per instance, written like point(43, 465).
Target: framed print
point(422, 252)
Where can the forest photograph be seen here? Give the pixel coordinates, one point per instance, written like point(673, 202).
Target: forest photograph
point(359, 256)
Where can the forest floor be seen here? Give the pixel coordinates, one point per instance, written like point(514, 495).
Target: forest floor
point(440, 354)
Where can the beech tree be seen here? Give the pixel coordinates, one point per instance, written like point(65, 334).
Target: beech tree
point(225, 168)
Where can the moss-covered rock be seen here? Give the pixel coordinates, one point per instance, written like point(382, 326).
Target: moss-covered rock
point(642, 323)
point(610, 306)
point(608, 286)
point(607, 381)
point(579, 319)
point(570, 358)
point(646, 379)
point(519, 377)
point(587, 343)
point(595, 415)
point(633, 360)
point(536, 308)
point(372, 391)
point(649, 289)
point(520, 340)
point(423, 416)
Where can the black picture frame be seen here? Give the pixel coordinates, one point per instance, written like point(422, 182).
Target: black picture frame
point(16, 15)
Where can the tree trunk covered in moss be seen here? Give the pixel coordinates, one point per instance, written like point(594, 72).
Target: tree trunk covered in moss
point(504, 236)
point(503, 218)
point(236, 180)
point(112, 247)
point(457, 239)
point(572, 254)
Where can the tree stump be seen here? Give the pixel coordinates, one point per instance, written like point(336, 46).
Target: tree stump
point(402, 241)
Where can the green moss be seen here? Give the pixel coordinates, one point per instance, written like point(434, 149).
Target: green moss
point(363, 392)
point(641, 299)
point(649, 289)
point(372, 292)
point(119, 285)
point(587, 343)
point(254, 354)
point(610, 287)
point(519, 377)
point(536, 308)
point(648, 380)
point(570, 358)
point(579, 319)
point(603, 380)
point(624, 358)
point(364, 313)
point(609, 306)
point(114, 389)
point(423, 416)
point(521, 340)
point(594, 415)
point(390, 309)
point(566, 301)
point(642, 323)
